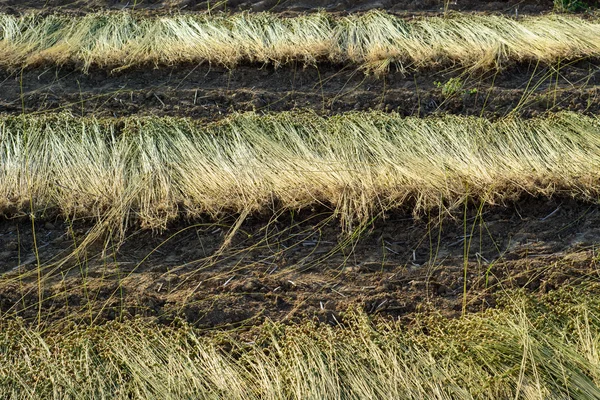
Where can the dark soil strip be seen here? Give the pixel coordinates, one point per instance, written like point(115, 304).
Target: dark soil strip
point(292, 267)
point(514, 7)
point(211, 93)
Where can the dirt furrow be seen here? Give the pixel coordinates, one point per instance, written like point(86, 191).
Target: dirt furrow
point(210, 93)
point(300, 266)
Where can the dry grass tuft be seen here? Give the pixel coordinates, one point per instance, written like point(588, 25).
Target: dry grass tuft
point(374, 41)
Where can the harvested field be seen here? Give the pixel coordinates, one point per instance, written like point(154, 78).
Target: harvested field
point(294, 199)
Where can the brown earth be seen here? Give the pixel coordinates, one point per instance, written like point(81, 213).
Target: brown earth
point(300, 266)
point(209, 92)
point(290, 6)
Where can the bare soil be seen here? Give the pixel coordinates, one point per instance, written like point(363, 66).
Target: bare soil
point(290, 6)
point(300, 266)
point(206, 92)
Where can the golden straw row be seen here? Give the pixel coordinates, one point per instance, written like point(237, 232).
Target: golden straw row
point(153, 170)
point(374, 41)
